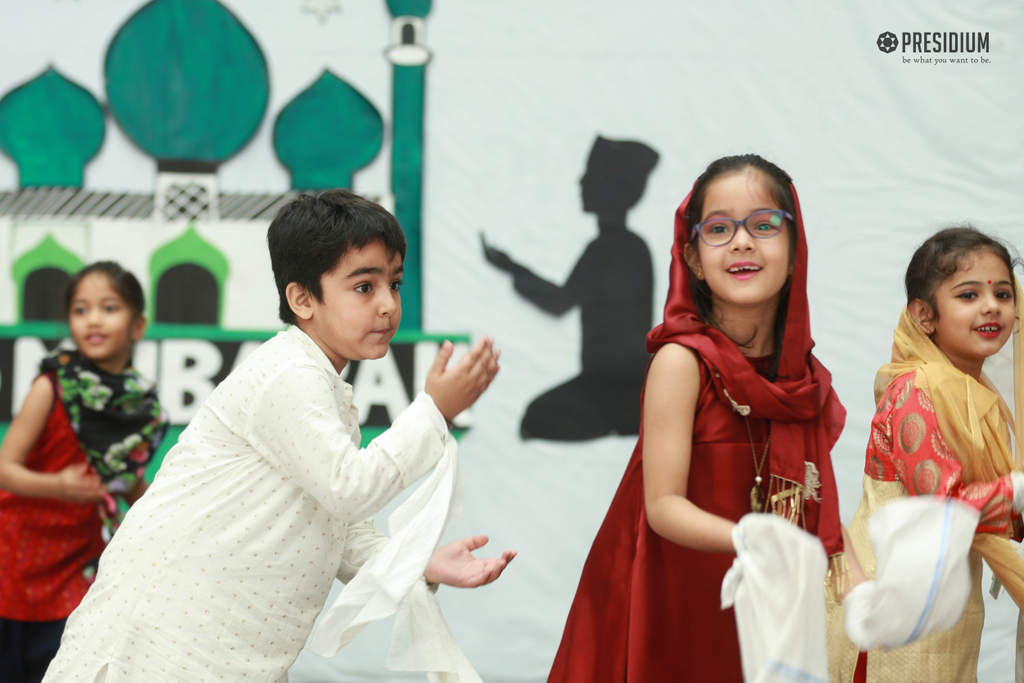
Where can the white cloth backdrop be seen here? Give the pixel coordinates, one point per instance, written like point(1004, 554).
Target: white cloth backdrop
point(884, 151)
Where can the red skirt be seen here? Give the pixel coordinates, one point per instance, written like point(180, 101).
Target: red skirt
point(46, 545)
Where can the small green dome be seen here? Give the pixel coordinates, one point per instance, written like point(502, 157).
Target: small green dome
point(404, 8)
point(327, 133)
point(189, 247)
point(186, 81)
point(51, 128)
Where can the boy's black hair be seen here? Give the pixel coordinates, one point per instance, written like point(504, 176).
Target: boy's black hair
point(123, 282)
point(778, 184)
point(312, 232)
point(942, 254)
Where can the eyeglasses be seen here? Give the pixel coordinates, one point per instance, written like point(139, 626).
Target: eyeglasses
point(719, 231)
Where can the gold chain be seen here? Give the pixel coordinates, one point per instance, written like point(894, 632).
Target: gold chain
point(756, 493)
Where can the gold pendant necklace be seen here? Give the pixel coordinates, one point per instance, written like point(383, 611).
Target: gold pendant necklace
point(757, 493)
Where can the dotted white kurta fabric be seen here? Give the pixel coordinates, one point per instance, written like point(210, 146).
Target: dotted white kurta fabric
point(220, 570)
point(392, 583)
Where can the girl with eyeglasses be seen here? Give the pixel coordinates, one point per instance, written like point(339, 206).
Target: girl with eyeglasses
point(738, 416)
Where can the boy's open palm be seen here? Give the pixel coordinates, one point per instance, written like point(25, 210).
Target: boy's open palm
point(454, 565)
point(457, 388)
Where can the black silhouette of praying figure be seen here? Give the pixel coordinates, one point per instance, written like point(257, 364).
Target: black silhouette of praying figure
point(612, 285)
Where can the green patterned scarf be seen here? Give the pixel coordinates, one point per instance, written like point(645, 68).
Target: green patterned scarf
point(118, 421)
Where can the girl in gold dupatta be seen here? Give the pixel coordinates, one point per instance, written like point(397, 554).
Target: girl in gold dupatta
point(941, 428)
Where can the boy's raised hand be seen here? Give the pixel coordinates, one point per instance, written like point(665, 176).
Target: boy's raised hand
point(457, 388)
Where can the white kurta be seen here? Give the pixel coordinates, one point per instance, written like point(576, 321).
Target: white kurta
point(220, 570)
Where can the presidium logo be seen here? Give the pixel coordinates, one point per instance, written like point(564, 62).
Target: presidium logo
point(887, 42)
point(955, 45)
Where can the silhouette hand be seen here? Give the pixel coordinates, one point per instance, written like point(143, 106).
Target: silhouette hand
point(454, 565)
point(496, 257)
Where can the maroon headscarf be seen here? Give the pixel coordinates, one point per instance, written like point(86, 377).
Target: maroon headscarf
point(806, 415)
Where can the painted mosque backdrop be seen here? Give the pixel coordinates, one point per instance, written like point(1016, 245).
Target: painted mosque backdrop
point(189, 85)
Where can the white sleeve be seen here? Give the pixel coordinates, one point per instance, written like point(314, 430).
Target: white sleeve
point(297, 423)
point(362, 541)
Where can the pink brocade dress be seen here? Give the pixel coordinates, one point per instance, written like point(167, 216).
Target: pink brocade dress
point(648, 610)
point(907, 446)
point(907, 455)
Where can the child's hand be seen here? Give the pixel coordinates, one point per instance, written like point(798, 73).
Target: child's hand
point(456, 389)
point(78, 484)
point(454, 564)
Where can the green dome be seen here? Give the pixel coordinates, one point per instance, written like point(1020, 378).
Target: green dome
point(186, 81)
point(51, 128)
point(414, 8)
point(327, 133)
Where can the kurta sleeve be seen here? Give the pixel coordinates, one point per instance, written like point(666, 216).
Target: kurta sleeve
point(362, 542)
point(303, 425)
point(921, 460)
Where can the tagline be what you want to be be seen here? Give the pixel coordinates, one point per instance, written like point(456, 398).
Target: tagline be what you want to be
point(946, 60)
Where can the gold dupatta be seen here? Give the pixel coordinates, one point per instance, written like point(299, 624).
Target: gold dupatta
point(975, 422)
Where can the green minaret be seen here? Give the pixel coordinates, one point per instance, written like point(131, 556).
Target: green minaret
point(409, 57)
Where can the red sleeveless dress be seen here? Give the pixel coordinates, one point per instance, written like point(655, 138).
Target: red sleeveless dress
point(648, 610)
point(45, 544)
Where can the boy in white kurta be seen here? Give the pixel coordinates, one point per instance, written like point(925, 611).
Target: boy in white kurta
point(221, 569)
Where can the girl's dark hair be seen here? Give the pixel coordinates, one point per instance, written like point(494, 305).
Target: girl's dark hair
point(778, 184)
point(123, 282)
point(941, 256)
